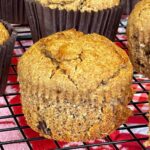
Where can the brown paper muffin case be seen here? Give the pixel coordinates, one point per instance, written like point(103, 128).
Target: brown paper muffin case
point(129, 5)
point(33, 21)
point(5, 56)
point(13, 11)
point(45, 21)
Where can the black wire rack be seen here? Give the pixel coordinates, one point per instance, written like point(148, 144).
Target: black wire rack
point(24, 35)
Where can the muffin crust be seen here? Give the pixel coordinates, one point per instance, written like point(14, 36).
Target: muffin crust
point(4, 34)
point(83, 5)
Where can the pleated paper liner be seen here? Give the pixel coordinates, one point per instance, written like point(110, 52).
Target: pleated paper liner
point(5, 56)
point(44, 21)
point(129, 5)
point(13, 11)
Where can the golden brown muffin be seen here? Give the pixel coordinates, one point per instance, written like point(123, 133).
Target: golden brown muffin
point(4, 34)
point(138, 32)
point(83, 5)
point(75, 87)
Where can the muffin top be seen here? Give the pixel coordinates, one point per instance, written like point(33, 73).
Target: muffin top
point(74, 62)
point(83, 5)
point(139, 18)
point(4, 34)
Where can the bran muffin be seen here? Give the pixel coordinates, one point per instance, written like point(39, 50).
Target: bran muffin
point(72, 89)
point(138, 32)
point(7, 39)
point(89, 16)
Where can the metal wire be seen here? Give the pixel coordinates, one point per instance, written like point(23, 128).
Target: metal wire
point(86, 146)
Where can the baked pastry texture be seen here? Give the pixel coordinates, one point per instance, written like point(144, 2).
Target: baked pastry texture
point(83, 5)
point(75, 87)
point(138, 32)
point(4, 34)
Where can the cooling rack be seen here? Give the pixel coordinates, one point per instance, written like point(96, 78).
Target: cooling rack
point(16, 134)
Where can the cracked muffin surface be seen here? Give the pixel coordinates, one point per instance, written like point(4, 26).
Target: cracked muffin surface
point(83, 5)
point(75, 87)
point(4, 34)
point(138, 32)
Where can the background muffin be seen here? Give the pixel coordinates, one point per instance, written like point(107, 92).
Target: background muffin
point(138, 32)
point(13, 11)
point(89, 16)
point(72, 89)
point(7, 39)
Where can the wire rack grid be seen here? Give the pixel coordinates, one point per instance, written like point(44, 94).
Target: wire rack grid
point(18, 133)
